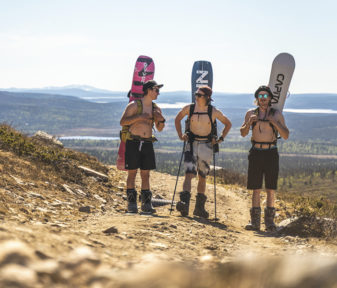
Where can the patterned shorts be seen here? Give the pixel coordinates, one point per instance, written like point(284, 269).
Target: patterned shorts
point(199, 161)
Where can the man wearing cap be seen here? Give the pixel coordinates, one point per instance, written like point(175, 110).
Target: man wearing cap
point(263, 158)
point(139, 153)
point(200, 137)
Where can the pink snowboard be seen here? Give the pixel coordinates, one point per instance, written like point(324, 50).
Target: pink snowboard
point(144, 71)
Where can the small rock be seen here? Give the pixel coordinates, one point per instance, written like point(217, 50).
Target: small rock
point(50, 139)
point(206, 258)
point(67, 188)
point(41, 255)
point(111, 230)
point(15, 252)
point(80, 255)
point(18, 180)
point(99, 198)
point(36, 195)
point(158, 245)
point(94, 173)
point(13, 275)
point(85, 209)
point(80, 193)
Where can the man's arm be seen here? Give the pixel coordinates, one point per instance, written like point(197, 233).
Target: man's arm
point(250, 118)
point(224, 120)
point(183, 112)
point(130, 115)
point(159, 119)
point(279, 123)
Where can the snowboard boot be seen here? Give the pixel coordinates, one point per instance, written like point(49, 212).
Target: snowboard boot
point(132, 200)
point(184, 204)
point(146, 197)
point(199, 209)
point(269, 214)
point(255, 222)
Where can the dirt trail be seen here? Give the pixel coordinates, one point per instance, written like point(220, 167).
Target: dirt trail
point(163, 236)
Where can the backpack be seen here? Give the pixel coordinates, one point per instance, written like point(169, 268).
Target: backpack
point(210, 136)
point(271, 112)
point(125, 134)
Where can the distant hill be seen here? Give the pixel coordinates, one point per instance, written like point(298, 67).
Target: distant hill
point(69, 115)
point(81, 91)
point(56, 114)
point(222, 100)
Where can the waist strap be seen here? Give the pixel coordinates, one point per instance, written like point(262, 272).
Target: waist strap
point(139, 138)
point(270, 144)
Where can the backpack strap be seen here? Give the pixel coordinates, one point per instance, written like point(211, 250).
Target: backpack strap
point(139, 106)
point(192, 107)
point(271, 112)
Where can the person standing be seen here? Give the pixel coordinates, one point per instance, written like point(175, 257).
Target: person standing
point(140, 116)
point(200, 137)
point(266, 123)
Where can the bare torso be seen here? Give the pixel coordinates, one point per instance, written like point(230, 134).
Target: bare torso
point(201, 124)
point(142, 128)
point(262, 131)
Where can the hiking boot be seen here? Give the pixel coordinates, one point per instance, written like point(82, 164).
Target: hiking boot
point(199, 209)
point(132, 200)
point(184, 204)
point(146, 197)
point(269, 214)
point(255, 222)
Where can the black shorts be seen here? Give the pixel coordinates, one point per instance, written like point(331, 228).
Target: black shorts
point(139, 154)
point(263, 163)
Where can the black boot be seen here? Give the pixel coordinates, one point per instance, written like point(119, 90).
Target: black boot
point(132, 200)
point(255, 222)
point(184, 204)
point(146, 197)
point(269, 214)
point(199, 209)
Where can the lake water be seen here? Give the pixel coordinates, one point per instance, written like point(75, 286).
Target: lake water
point(311, 111)
point(179, 105)
point(87, 138)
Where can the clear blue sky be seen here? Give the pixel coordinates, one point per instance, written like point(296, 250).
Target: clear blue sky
point(96, 42)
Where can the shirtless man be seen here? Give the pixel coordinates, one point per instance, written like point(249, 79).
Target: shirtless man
point(139, 151)
point(199, 148)
point(263, 157)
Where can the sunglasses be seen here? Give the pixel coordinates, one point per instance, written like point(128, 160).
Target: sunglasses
point(156, 89)
point(199, 94)
point(264, 96)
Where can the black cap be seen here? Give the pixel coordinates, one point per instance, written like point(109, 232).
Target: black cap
point(151, 84)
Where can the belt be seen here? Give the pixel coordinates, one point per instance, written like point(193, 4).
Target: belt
point(264, 146)
point(139, 138)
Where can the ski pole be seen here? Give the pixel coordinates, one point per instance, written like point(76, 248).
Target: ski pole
point(175, 188)
point(215, 219)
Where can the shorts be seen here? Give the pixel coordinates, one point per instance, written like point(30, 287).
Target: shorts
point(263, 163)
point(139, 154)
point(200, 160)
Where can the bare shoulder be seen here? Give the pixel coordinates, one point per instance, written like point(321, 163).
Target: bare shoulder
point(186, 109)
point(216, 111)
point(277, 113)
point(250, 111)
point(131, 107)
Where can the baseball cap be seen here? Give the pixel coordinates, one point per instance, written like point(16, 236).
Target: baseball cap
point(151, 84)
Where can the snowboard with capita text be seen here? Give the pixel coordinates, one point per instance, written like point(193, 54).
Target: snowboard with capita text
point(280, 77)
point(144, 71)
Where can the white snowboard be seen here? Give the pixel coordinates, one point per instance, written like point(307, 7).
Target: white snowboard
point(281, 73)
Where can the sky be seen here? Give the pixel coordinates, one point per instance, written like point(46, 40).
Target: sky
point(96, 42)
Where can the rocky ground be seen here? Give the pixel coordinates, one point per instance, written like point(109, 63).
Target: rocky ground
point(70, 229)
